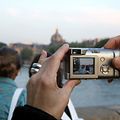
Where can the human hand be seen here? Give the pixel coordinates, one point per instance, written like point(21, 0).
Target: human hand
point(43, 91)
point(114, 43)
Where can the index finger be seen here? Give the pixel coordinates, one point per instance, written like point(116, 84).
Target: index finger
point(113, 43)
point(58, 56)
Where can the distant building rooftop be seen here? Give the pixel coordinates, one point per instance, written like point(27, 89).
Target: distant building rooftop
point(57, 38)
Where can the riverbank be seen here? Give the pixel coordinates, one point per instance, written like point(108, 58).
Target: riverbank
point(99, 113)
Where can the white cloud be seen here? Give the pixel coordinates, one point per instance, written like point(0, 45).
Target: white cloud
point(36, 23)
point(94, 16)
point(12, 12)
point(85, 15)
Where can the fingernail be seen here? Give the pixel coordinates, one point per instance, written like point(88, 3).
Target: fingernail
point(66, 45)
point(43, 51)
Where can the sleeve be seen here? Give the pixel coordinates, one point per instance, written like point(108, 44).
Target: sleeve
point(30, 113)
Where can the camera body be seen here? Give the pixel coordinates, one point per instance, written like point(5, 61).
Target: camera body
point(90, 63)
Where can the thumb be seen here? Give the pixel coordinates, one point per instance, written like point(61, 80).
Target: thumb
point(42, 57)
point(69, 86)
point(116, 63)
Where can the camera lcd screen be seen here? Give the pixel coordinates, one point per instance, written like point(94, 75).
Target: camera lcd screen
point(83, 65)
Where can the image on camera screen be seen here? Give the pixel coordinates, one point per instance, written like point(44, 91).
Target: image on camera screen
point(83, 65)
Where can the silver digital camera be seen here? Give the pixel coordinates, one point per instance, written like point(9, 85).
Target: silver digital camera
point(90, 63)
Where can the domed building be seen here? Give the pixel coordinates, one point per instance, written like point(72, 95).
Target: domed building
point(57, 38)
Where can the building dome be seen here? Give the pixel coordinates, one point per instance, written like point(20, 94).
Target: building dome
point(57, 38)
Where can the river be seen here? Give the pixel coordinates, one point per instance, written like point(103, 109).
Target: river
point(88, 93)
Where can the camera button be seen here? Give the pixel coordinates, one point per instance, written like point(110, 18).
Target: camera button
point(104, 69)
point(102, 59)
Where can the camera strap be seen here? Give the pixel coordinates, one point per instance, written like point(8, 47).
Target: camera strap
point(73, 113)
point(14, 101)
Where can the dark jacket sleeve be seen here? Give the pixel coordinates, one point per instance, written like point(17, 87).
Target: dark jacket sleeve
point(30, 113)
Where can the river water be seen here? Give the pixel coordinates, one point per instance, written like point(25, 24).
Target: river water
point(88, 93)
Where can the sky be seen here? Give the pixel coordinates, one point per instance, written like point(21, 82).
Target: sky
point(35, 21)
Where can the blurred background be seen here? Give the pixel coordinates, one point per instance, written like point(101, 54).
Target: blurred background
point(32, 25)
